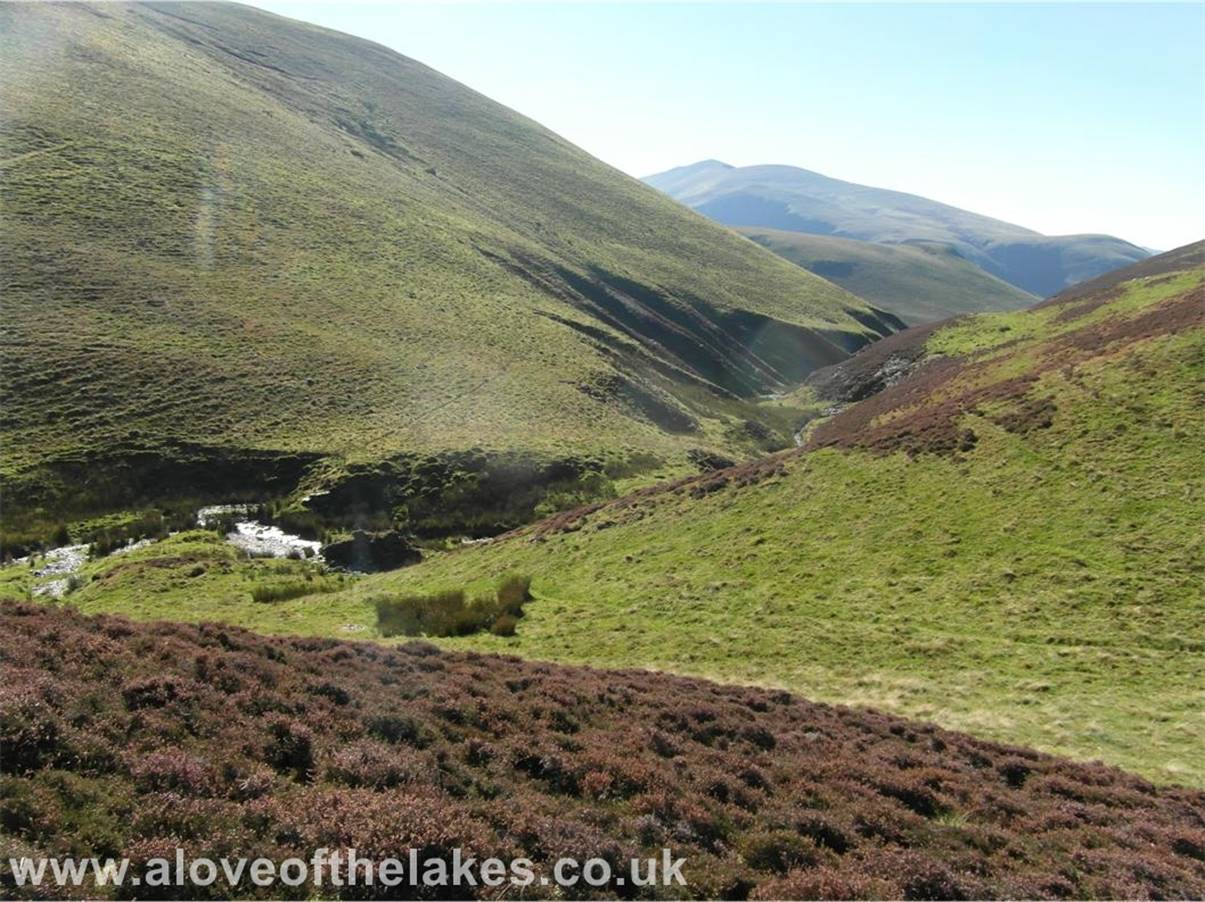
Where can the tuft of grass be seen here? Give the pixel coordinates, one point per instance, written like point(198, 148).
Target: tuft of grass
point(513, 591)
point(448, 612)
point(269, 593)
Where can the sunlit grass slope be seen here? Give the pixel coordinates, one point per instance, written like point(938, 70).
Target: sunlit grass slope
point(1040, 584)
point(227, 229)
point(919, 283)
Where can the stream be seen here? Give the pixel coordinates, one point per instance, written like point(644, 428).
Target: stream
point(53, 569)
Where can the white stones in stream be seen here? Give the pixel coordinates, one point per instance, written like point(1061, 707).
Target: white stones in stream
point(52, 571)
point(214, 512)
point(57, 567)
point(258, 540)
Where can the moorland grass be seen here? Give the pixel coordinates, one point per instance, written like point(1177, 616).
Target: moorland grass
point(334, 250)
point(1042, 588)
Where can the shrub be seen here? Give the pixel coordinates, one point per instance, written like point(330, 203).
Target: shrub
point(436, 614)
point(31, 732)
point(779, 851)
point(450, 613)
point(373, 764)
point(290, 748)
point(513, 591)
point(824, 833)
point(825, 883)
point(169, 770)
point(283, 591)
point(148, 524)
point(505, 625)
point(398, 728)
point(153, 692)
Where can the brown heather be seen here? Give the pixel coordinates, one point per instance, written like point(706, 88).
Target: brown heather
point(130, 739)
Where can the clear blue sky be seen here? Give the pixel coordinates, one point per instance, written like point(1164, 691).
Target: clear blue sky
point(1062, 118)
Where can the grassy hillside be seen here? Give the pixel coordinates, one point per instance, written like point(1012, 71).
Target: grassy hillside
point(1004, 541)
point(244, 246)
point(138, 738)
point(796, 200)
point(919, 283)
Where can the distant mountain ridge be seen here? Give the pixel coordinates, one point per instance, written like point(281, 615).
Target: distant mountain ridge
point(791, 199)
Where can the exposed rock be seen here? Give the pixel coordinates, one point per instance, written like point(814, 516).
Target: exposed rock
point(261, 540)
point(367, 552)
point(875, 368)
point(708, 462)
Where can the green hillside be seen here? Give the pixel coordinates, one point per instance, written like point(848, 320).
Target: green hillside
point(919, 283)
point(294, 251)
point(1005, 541)
point(796, 200)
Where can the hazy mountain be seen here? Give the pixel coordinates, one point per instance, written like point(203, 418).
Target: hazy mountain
point(796, 200)
point(919, 282)
point(229, 236)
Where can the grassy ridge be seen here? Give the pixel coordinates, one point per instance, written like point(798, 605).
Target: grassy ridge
point(1041, 586)
point(918, 283)
point(297, 241)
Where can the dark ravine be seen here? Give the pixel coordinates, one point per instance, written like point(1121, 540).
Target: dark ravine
point(473, 493)
point(874, 368)
point(883, 397)
point(735, 352)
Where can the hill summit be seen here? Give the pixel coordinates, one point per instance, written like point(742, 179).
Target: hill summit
point(798, 200)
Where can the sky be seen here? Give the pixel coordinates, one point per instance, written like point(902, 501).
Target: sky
point(1063, 118)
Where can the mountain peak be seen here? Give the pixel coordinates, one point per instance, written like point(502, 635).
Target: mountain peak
point(791, 199)
point(704, 165)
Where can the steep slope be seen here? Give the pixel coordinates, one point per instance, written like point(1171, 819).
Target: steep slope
point(134, 738)
point(796, 200)
point(919, 282)
point(1002, 537)
point(1003, 540)
point(237, 247)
